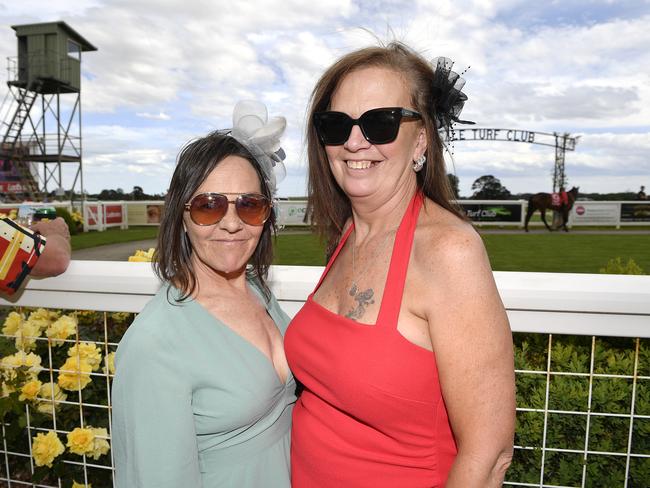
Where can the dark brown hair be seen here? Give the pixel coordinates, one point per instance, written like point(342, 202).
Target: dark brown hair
point(172, 259)
point(328, 206)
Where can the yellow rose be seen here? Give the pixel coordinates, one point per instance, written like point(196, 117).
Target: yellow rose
point(109, 361)
point(12, 322)
point(21, 359)
point(45, 313)
point(100, 442)
point(48, 393)
point(77, 217)
point(26, 335)
point(138, 259)
point(43, 317)
point(74, 374)
point(80, 485)
point(120, 317)
point(45, 447)
point(87, 351)
point(7, 389)
point(86, 313)
point(80, 440)
point(30, 390)
point(90, 441)
point(60, 330)
point(141, 256)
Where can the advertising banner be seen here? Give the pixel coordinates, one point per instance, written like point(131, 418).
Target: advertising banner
point(113, 214)
point(635, 212)
point(493, 212)
point(144, 213)
point(292, 212)
point(92, 214)
point(9, 178)
point(597, 213)
point(136, 213)
point(154, 212)
point(11, 187)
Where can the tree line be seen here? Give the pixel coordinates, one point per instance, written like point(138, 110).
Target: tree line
point(486, 187)
point(489, 187)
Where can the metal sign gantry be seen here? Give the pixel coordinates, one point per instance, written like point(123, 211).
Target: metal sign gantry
point(561, 143)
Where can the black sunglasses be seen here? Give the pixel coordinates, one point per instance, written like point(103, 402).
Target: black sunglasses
point(378, 126)
point(210, 208)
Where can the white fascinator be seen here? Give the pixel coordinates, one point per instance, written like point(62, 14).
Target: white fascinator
point(261, 135)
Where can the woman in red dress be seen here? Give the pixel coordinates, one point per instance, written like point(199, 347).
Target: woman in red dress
point(403, 348)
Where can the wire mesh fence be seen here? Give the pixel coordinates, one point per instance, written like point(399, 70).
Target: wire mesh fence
point(583, 404)
point(56, 369)
point(583, 412)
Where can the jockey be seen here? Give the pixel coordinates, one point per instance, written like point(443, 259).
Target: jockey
point(564, 197)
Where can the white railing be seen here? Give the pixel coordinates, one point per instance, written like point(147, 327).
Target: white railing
point(549, 304)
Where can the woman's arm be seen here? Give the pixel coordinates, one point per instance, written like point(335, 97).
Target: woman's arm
point(154, 440)
point(473, 345)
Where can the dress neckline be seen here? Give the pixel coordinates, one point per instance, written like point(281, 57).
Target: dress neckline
point(249, 345)
point(394, 282)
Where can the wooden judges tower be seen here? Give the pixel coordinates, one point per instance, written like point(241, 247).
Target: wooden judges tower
point(41, 114)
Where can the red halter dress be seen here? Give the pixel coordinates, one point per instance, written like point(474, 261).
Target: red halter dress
point(372, 413)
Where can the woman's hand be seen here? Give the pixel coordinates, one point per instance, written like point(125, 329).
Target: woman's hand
point(56, 255)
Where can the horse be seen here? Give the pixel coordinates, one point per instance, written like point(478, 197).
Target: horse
point(543, 201)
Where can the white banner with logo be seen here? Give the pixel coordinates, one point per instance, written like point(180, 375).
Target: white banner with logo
point(595, 213)
point(291, 212)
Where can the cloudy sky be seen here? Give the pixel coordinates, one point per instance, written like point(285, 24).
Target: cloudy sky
point(169, 70)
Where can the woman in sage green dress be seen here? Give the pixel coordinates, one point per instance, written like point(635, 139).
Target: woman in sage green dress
point(202, 396)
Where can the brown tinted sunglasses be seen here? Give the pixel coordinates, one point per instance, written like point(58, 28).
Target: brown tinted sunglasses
point(210, 208)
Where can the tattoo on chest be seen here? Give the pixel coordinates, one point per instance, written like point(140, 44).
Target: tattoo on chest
point(363, 299)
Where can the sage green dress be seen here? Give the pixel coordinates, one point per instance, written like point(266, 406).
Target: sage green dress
point(195, 405)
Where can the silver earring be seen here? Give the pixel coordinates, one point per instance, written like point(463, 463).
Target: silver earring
point(418, 164)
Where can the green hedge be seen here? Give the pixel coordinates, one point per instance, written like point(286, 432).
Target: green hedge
point(570, 393)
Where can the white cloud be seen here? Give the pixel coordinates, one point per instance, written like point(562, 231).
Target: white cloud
point(159, 116)
point(168, 70)
point(548, 102)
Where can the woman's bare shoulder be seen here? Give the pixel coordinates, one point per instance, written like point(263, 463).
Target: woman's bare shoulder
point(451, 269)
point(444, 239)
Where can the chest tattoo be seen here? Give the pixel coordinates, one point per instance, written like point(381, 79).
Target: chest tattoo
point(363, 299)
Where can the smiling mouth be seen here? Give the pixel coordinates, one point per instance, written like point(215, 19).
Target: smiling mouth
point(360, 164)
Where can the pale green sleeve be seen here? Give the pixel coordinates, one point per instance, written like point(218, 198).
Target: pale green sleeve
point(154, 440)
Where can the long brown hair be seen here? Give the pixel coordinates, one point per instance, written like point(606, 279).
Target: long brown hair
point(172, 259)
point(328, 206)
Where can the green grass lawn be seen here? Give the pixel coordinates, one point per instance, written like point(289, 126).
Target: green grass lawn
point(299, 249)
point(552, 252)
point(85, 240)
point(564, 253)
point(557, 252)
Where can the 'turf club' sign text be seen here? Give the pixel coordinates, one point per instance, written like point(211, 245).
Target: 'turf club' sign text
point(516, 135)
point(496, 135)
